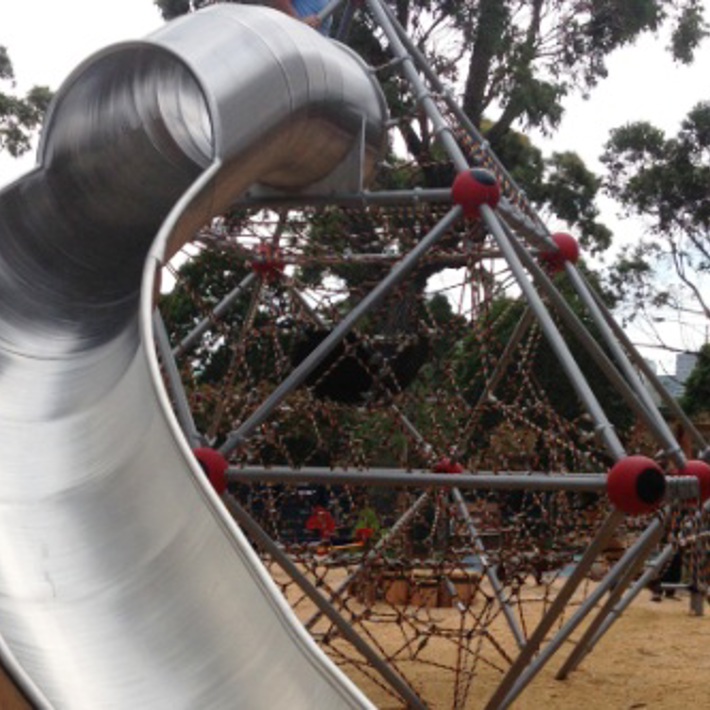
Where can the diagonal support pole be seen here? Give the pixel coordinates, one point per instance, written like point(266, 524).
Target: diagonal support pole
point(299, 374)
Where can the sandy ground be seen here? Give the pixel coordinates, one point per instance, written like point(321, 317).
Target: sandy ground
point(655, 656)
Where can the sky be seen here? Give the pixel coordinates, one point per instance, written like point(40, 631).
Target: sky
point(47, 39)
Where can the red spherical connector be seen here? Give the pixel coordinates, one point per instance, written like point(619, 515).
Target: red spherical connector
point(701, 471)
point(268, 262)
point(215, 467)
point(446, 465)
point(636, 485)
point(567, 250)
point(473, 188)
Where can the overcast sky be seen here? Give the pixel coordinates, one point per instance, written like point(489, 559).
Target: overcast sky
point(46, 39)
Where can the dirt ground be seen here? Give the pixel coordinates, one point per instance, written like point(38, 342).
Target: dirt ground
point(654, 657)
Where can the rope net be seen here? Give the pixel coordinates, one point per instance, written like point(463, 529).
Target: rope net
point(445, 374)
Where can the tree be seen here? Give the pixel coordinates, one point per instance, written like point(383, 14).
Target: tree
point(19, 116)
point(666, 181)
point(696, 398)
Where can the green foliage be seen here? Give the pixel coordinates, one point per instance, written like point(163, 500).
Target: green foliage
point(696, 398)
point(19, 116)
point(666, 180)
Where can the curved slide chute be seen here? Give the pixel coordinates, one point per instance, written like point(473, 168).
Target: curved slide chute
point(123, 582)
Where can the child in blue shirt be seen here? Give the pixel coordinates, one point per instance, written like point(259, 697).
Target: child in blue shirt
point(306, 11)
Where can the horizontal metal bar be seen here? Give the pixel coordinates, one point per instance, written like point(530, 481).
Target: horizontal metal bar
point(263, 198)
point(388, 477)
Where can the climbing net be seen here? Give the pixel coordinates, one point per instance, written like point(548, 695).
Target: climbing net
point(443, 584)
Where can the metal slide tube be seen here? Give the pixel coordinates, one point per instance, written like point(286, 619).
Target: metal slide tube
point(124, 581)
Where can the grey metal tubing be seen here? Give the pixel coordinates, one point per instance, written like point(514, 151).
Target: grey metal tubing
point(508, 482)
point(177, 391)
point(124, 581)
point(557, 343)
point(422, 95)
point(346, 20)
point(347, 199)
point(217, 312)
point(488, 568)
point(397, 274)
point(374, 553)
point(652, 377)
point(634, 590)
point(631, 389)
point(629, 571)
point(393, 679)
point(600, 315)
point(643, 543)
point(533, 228)
point(500, 696)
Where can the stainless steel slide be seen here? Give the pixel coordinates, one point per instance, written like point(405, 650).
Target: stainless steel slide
point(123, 582)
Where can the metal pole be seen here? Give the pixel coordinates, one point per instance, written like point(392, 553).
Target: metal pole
point(660, 426)
point(629, 572)
point(373, 553)
point(346, 629)
point(531, 225)
point(636, 588)
point(557, 343)
point(217, 312)
point(438, 195)
point(478, 545)
point(653, 532)
point(397, 274)
point(494, 482)
point(652, 378)
point(635, 396)
point(182, 406)
point(556, 608)
point(442, 131)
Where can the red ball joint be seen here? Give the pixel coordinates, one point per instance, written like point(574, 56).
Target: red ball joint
point(567, 250)
point(446, 465)
point(701, 471)
point(268, 262)
point(636, 485)
point(473, 188)
point(215, 467)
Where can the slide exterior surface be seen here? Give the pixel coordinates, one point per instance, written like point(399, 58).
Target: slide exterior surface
point(123, 582)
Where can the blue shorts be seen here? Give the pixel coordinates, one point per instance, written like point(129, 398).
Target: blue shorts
point(306, 8)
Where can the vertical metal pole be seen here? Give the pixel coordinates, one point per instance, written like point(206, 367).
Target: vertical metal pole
point(182, 406)
point(397, 274)
point(346, 629)
point(530, 225)
point(636, 588)
point(422, 95)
